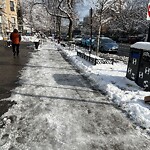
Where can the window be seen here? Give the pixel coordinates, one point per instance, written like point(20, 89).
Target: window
point(13, 20)
point(12, 6)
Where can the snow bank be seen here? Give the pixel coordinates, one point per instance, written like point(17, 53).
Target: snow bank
point(141, 45)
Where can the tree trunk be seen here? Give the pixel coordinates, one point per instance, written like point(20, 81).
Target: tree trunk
point(58, 26)
point(148, 37)
point(70, 29)
point(98, 40)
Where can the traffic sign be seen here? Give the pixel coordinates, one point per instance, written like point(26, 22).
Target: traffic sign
point(148, 12)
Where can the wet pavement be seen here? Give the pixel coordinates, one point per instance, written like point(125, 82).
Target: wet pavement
point(10, 68)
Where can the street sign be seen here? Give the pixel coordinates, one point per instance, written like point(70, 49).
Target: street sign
point(148, 12)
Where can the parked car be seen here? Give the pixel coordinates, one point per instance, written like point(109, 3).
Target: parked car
point(78, 39)
point(124, 39)
point(106, 45)
point(137, 38)
point(86, 41)
point(64, 37)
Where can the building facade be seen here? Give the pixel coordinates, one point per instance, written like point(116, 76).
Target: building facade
point(8, 16)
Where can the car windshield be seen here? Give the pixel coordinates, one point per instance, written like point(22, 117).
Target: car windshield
point(107, 41)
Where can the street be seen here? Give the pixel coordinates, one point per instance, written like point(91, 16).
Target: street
point(59, 109)
point(124, 49)
point(10, 71)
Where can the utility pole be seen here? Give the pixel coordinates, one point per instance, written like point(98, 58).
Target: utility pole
point(148, 18)
point(148, 37)
point(91, 22)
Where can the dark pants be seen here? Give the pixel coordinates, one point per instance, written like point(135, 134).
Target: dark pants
point(8, 43)
point(15, 48)
point(36, 45)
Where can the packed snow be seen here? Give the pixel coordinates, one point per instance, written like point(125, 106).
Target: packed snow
point(29, 38)
point(111, 79)
point(1, 38)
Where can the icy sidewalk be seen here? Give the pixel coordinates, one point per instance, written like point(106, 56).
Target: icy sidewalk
point(43, 117)
point(58, 110)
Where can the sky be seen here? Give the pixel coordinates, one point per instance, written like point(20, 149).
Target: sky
point(33, 108)
point(83, 9)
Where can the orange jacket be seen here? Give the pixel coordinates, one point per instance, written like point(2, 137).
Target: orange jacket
point(15, 38)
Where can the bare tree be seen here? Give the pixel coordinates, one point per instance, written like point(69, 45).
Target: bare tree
point(56, 9)
point(129, 15)
point(102, 15)
point(67, 7)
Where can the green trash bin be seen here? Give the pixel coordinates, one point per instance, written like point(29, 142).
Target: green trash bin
point(134, 63)
point(139, 64)
point(143, 79)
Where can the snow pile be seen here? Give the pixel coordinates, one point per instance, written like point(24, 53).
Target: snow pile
point(141, 45)
point(30, 38)
point(26, 38)
point(1, 38)
point(112, 80)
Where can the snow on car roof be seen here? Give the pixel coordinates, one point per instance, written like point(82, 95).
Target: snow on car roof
point(141, 45)
point(105, 38)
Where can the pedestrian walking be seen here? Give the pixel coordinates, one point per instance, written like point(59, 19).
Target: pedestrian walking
point(36, 40)
point(15, 37)
point(8, 41)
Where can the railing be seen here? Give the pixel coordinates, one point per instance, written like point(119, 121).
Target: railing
point(94, 60)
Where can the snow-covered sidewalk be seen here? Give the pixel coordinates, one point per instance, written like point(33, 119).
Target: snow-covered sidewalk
point(57, 109)
point(111, 79)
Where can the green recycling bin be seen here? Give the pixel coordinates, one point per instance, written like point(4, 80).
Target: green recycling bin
point(139, 64)
point(134, 63)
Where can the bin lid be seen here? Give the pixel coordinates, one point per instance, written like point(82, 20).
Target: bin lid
point(141, 45)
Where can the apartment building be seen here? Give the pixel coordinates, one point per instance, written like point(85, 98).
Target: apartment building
point(8, 16)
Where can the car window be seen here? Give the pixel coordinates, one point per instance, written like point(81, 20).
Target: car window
point(107, 41)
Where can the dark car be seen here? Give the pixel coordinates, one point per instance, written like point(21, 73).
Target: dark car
point(64, 37)
point(86, 41)
point(137, 38)
point(106, 45)
point(124, 39)
point(78, 39)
